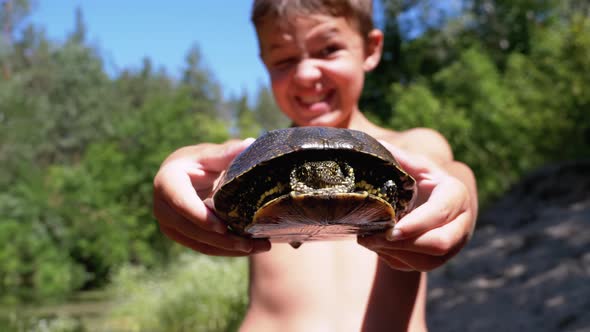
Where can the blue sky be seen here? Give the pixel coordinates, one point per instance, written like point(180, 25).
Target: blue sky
point(126, 31)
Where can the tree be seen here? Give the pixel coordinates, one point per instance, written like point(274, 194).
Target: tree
point(79, 150)
point(247, 124)
point(506, 93)
point(266, 111)
point(11, 16)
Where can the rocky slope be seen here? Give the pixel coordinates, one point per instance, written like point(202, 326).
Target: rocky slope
point(527, 267)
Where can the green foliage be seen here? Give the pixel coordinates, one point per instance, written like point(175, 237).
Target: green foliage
point(264, 115)
point(33, 263)
point(476, 112)
point(79, 152)
point(16, 321)
point(267, 113)
point(247, 125)
point(502, 80)
point(196, 293)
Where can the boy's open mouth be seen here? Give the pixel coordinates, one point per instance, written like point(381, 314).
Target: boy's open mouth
point(315, 102)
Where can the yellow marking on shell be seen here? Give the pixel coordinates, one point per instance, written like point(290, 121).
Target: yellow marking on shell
point(233, 213)
point(364, 185)
point(369, 188)
point(278, 188)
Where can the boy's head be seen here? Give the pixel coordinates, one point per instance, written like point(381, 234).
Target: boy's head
point(359, 13)
point(316, 53)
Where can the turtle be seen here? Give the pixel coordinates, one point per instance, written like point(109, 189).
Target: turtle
point(313, 183)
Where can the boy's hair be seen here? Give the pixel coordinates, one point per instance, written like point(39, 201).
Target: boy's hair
point(359, 12)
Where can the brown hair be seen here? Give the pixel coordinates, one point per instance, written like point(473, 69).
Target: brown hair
point(359, 12)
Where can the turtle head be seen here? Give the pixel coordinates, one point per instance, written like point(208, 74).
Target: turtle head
point(325, 176)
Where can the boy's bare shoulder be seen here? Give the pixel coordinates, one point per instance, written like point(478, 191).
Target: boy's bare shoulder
point(425, 141)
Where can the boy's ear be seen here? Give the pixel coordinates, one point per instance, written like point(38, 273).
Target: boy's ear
point(373, 50)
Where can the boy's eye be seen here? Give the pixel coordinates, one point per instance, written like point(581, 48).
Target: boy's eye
point(328, 50)
point(284, 63)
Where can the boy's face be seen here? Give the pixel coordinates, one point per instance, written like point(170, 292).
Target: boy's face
point(317, 66)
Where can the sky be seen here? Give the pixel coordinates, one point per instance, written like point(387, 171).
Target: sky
point(127, 31)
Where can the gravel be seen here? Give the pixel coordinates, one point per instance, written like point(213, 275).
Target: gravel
point(527, 267)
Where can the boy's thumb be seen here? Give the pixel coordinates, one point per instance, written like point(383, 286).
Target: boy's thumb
point(230, 150)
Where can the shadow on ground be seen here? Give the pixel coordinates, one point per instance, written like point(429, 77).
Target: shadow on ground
point(527, 267)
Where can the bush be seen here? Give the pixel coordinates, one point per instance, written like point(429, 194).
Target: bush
point(196, 293)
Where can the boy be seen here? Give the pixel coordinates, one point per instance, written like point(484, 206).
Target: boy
point(317, 53)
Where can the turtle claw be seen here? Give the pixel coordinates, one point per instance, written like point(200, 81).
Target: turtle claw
point(295, 244)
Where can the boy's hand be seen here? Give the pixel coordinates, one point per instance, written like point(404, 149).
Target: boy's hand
point(182, 205)
point(439, 226)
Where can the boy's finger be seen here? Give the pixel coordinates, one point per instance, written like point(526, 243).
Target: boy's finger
point(416, 261)
point(405, 260)
point(395, 262)
point(425, 217)
point(440, 208)
point(199, 246)
point(226, 241)
point(175, 189)
point(217, 161)
point(443, 241)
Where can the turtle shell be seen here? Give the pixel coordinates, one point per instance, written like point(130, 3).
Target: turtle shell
point(260, 194)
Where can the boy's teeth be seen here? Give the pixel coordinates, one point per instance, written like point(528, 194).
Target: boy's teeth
point(312, 99)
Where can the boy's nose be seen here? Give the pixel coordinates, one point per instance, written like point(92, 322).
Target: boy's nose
point(307, 73)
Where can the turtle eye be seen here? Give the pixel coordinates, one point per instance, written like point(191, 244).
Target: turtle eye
point(303, 171)
point(343, 169)
point(335, 170)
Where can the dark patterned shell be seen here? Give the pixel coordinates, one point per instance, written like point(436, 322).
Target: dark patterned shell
point(253, 196)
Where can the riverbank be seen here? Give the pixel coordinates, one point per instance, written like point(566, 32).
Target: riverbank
point(527, 267)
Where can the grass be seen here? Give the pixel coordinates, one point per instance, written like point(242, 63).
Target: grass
point(195, 293)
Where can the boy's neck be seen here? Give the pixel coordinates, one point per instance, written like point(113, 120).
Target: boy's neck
point(356, 120)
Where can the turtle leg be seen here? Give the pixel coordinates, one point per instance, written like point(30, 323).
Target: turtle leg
point(389, 191)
